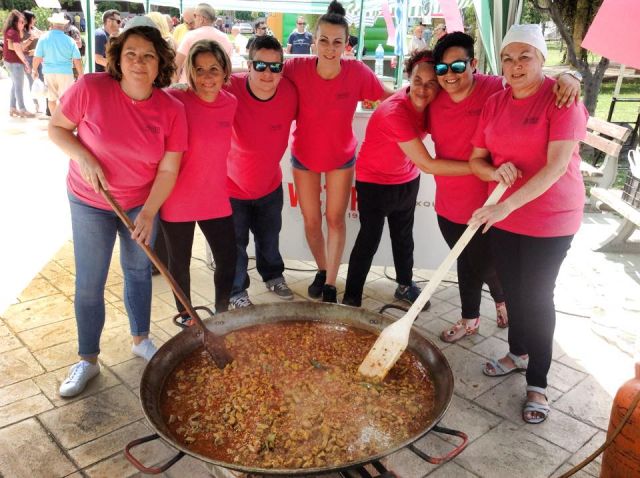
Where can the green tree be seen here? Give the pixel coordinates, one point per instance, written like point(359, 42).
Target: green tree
point(41, 17)
point(572, 19)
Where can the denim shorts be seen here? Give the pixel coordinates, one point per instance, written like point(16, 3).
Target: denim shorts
point(298, 165)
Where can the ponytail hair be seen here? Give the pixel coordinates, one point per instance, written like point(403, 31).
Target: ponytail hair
point(335, 16)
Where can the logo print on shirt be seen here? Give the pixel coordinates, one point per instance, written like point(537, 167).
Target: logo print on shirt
point(342, 95)
point(224, 124)
point(531, 120)
point(475, 112)
point(276, 127)
point(153, 129)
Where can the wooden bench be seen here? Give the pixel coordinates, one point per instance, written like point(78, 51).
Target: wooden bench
point(619, 240)
point(608, 138)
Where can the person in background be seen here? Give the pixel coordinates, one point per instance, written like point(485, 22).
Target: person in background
point(417, 40)
point(220, 24)
point(83, 24)
point(170, 24)
point(260, 29)
point(59, 54)
point(267, 105)
point(110, 28)
point(76, 20)
point(204, 16)
point(200, 195)
point(329, 89)
point(388, 178)
point(524, 140)
point(460, 102)
point(16, 61)
point(438, 32)
point(239, 41)
point(188, 24)
point(160, 22)
point(130, 139)
point(29, 42)
point(300, 40)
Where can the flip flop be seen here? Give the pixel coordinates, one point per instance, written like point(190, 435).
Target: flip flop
point(460, 330)
point(500, 370)
point(542, 409)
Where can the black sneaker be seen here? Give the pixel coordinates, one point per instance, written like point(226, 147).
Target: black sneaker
point(409, 293)
point(315, 289)
point(329, 294)
point(240, 301)
point(351, 302)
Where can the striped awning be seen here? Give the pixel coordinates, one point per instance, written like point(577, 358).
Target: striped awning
point(417, 8)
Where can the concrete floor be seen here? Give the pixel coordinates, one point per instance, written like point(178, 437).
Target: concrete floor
point(43, 435)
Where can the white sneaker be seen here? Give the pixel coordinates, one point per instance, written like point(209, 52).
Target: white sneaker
point(79, 376)
point(145, 349)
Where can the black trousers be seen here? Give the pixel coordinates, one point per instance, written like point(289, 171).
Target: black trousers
point(221, 238)
point(396, 203)
point(475, 267)
point(528, 268)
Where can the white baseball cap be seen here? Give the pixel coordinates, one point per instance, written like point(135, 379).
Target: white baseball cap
point(530, 34)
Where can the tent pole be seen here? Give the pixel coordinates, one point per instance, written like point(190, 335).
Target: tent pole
point(89, 15)
point(361, 32)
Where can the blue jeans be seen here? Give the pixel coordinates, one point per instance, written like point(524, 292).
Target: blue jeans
point(16, 70)
point(263, 217)
point(94, 235)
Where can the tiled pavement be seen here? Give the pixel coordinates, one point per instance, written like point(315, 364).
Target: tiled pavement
point(44, 435)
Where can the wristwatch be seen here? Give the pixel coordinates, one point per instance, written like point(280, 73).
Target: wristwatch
point(574, 73)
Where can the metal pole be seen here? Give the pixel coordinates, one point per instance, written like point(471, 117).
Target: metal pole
point(361, 32)
point(89, 15)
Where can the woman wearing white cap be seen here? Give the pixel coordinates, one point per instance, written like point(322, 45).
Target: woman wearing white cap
point(527, 142)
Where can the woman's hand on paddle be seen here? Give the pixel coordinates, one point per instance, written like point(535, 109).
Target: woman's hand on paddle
point(92, 173)
point(507, 174)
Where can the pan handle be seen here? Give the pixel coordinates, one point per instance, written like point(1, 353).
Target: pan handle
point(154, 470)
point(449, 456)
point(184, 321)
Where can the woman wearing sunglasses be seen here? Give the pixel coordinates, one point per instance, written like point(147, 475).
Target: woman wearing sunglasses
point(388, 177)
point(525, 141)
point(329, 89)
point(453, 117)
point(200, 194)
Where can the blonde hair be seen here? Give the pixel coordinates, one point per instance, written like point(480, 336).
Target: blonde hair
point(160, 21)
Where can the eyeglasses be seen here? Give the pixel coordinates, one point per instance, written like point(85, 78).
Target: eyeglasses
point(260, 66)
point(458, 66)
point(302, 23)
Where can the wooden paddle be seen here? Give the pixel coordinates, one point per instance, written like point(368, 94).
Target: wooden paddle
point(393, 340)
point(213, 344)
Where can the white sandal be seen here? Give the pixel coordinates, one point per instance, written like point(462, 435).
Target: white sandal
point(530, 407)
point(500, 370)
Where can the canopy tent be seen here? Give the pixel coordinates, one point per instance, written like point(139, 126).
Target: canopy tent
point(495, 17)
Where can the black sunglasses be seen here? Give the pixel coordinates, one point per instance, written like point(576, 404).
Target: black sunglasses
point(458, 66)
point(301, 23)
point(260, 66)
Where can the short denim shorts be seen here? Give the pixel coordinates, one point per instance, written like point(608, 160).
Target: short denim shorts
point(298, 165)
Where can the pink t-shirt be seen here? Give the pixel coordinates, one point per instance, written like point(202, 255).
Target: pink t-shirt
point(201, 192)
point(259, 139)
point(519, 131)
point(381, 161)
point(323, 138)
point(452, 126)
point(129, 138)
point(202, 33)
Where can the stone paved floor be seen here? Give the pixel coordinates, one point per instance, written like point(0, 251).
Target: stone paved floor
point(43, 435)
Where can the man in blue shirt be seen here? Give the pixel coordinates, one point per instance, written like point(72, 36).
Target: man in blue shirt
point(300, 40)
point(60, 54)
point(110, 28)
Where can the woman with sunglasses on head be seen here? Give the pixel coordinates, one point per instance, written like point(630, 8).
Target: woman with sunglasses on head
point(329, 89)
point(453, 117)
point(388, 177)
point(525, 141)
point(200, 195)
point(124, 134)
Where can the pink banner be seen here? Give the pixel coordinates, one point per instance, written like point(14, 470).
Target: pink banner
point(388, 19)
point(615, 32)
point(452, 17)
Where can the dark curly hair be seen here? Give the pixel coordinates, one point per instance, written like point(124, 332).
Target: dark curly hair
point(419, 56)
point(335, 16)
point(458, 39)
point(166, 55)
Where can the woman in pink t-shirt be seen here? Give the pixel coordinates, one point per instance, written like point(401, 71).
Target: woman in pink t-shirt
point(200, 194)
point(388, 179)
point(329, 89)
point(525, 141)
point(16, 61)
point(130, 138)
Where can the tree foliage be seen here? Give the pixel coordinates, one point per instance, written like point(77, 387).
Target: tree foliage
point(572, 18)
